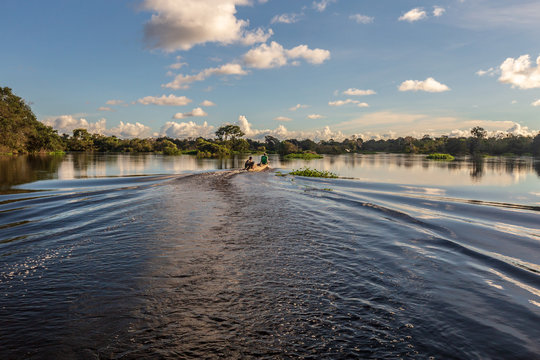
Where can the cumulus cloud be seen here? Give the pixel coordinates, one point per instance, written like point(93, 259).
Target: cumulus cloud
point(274, 55)
point(321, 5)
point(282, 118)
point(197, 112)
point(182, 24)
point(184, 81)
point(314, 116)
point(266, 57)
point(315, 56)
point(362, 19)
point(298, 106)
point(413, 15)
point(428, 85)
point(164, 100)
point(129, 130)
point(347, 102)
point(207, 103)
point(536, 103)
point(357, 92)
point(519, 73)
point(282, 133)
point(285, 19)
point(185, 130)
point(105, 108)
point(65, 124)
point(115, 102)
point(519, 130)
point(438, 11)
point(417, 125)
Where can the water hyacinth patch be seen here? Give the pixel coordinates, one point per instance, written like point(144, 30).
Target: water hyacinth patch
point(437, 156)
point(313, 173)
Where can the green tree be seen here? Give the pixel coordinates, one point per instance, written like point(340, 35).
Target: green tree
point(21, 131)
point(536, 145)
point(232, 131)
point(478, 132)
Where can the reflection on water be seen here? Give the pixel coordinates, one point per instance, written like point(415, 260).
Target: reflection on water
point(515, 175)
point(379, 167)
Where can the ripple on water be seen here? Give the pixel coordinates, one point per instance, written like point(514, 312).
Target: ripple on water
point(235, 265)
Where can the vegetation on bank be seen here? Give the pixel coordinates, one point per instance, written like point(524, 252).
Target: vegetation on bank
point(303, 156)
point(437, 156)
point(21, 132)
point(313, 173)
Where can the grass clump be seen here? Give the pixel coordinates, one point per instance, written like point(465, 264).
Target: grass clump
point(437, 156)
point(313, 173)
point(304, 156)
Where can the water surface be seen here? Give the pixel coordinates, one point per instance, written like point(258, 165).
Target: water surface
point(122, 256)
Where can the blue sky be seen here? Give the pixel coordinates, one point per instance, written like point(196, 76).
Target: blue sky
point(288, 68)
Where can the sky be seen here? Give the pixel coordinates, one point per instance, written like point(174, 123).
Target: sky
point(288, 68)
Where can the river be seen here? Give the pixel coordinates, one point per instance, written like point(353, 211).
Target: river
point(148, 257)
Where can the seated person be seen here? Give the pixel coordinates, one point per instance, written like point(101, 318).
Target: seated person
point(264, 159)
point(249, 164)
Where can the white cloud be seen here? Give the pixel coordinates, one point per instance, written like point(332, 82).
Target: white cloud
point(114, 102)
point(406, 124)
point(519, 130)
point(282, 133)
point(164, 100)
point(514, 102)
point(357, 92)
point(207, 103)
point(183, 81)
point(177, 65)
point(322, 4)
point(128, 130)
point(285, 19)
point(182, 24)
point(314, 116)
point(347, 102)
point(298, 106)
point(266, 57)
point(519, 72)
point(186, 130)
point(282, 118)
point(105, 108)
point(438, 11)
point(315, 56)
point(489, 72)
point(362, 19)
point(65, 124)
point(428, 85)
point(413, 15)
point(536, 103)
point(197, 112)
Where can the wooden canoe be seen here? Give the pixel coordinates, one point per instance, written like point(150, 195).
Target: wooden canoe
point(259, 168)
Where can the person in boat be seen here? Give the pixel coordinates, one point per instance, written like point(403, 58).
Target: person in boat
point(249, 164)
point(264, 160)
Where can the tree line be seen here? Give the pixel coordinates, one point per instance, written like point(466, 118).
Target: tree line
point(21, 132)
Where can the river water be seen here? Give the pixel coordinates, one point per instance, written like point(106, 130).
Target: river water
point(148, 256)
